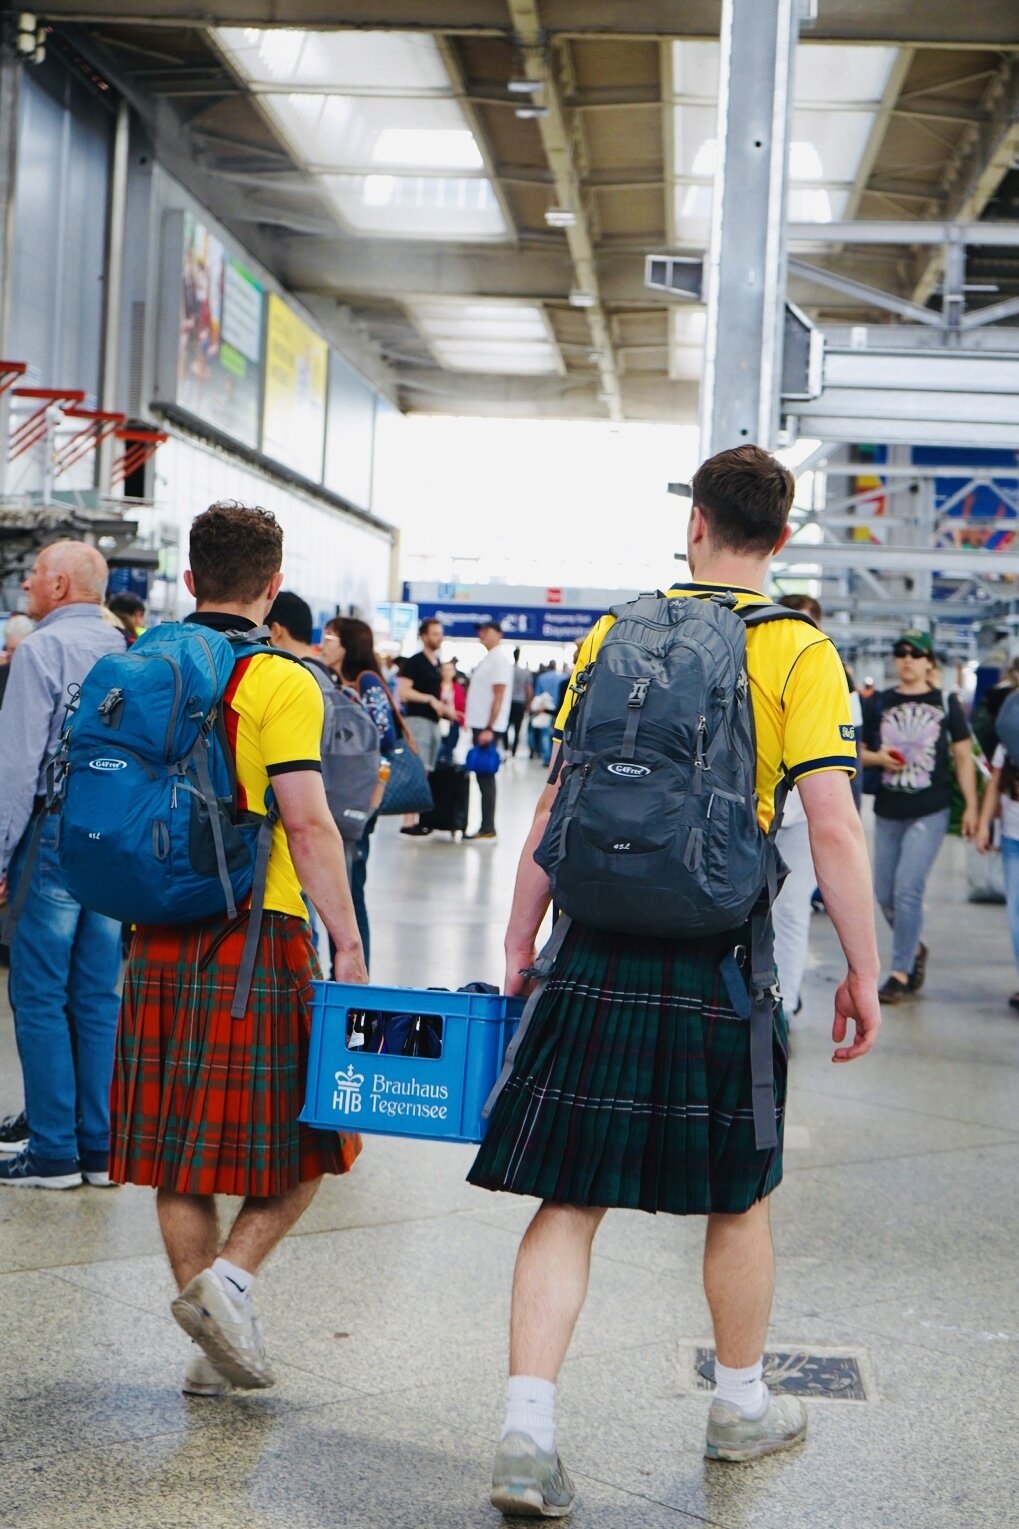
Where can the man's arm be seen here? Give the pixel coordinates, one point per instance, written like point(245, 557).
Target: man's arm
point(531, 897)
point(988, 812)
point(317, 852)
point(498, 691)
point(24, 738)
point(408, 693)
point(839, 852)
point(966, 774)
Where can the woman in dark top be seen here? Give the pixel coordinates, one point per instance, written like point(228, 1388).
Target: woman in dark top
point(348, 647)
point(908, 734)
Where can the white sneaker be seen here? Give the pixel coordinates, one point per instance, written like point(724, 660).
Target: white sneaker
point(201, 1378)
point(731, 1436)
point(227, 1330)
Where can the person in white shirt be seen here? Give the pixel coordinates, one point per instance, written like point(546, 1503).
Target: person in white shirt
point(488, 708)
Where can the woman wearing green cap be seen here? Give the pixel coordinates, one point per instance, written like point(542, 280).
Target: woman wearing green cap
point(908, 733)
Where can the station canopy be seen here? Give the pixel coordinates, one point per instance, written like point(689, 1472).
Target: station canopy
point(472, 186)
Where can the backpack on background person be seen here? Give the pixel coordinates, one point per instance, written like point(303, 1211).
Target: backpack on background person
point(351, 755)
point(146, 787)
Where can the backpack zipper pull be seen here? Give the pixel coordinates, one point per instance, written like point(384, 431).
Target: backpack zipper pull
point(698, 762)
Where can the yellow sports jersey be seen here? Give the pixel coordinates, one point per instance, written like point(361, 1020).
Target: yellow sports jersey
point(274, 712)
point(799, 691)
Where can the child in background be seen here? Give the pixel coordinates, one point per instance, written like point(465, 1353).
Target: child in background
point(1001, 802)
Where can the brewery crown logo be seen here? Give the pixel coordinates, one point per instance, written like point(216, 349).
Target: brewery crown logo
point(347, 1094)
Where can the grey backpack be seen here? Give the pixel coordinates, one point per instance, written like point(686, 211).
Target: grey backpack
point(1006, 725)
point(351, 755)
point(654, 829)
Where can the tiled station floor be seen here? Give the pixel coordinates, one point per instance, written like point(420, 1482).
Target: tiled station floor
point(897, 1230)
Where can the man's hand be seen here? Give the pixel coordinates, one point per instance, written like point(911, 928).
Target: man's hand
point(971, 821)
point(485, 736)
point(519, 958)
point(3, 891)
point(856, 1000)
point(888, 759)
point(349, 967)
point(983, 838)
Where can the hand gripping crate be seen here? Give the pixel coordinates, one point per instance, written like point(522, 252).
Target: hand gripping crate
point(353, 1088)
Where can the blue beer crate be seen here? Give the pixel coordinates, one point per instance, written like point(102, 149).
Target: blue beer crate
point(354, 1088)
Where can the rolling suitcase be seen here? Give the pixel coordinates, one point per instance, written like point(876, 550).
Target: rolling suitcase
point(450, 786)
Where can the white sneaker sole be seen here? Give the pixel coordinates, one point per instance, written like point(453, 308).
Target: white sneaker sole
point(49, 1181)
point(741, 1455)
point(200, 1325)
point(99, 1180)
point(526, 1502)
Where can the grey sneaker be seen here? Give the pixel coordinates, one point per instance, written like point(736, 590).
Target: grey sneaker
point(229, 1332)
point(731, 1436)
point(528, 1482)
point(201, 1378)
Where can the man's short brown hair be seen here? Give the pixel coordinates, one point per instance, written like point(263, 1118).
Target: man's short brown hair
point(235, 551)
point(805, 603)
point(746, 496)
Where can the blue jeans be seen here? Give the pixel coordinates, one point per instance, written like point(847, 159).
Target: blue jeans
point(1010, 869)
point(904, 852)
point(65, 970)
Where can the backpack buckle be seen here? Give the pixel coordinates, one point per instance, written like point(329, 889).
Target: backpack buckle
point(638, 695)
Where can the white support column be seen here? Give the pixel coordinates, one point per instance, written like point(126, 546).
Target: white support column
point(747, 261)
point(10, 78)
point(112, 312)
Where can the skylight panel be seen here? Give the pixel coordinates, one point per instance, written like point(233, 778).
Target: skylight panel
point(341, 132)
point(828, 74)
point(337, 61)
point(525, 358)
point(417, 206)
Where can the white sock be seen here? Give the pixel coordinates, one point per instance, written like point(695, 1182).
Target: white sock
point(742, 1388)
point(530, 1409)
point(238, 1281)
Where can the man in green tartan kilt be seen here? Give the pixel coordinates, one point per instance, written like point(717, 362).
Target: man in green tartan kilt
point(631, 1085)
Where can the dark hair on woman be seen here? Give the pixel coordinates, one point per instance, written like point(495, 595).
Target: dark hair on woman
point(358, 642)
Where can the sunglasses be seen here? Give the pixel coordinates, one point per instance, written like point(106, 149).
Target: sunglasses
point(903, 650)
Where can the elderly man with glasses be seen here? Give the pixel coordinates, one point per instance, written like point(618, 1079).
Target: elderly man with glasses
point(913, 735)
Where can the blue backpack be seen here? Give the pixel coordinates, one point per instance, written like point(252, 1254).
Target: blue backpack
point(145, 784)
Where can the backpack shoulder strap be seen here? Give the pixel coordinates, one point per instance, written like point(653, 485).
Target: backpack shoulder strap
point(760, 615)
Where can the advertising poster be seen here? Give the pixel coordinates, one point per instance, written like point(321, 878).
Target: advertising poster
point(219, 360)
point(296, 377)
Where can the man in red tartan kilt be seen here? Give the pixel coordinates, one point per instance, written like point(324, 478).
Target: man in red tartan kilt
point(204, 1104)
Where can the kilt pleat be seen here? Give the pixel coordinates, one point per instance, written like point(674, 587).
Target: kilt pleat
point(632, 1085)
point(205, 1104)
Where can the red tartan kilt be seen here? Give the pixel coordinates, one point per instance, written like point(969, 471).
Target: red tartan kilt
point(205, 1104)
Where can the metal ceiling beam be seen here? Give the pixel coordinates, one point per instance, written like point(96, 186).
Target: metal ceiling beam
point(980, 163)
point(558, 145)
point(451, 61)
point(931, 23)
point(879, 128)
point(880, 558)
point(872, 296)
point(895, 605)
point(936, 232)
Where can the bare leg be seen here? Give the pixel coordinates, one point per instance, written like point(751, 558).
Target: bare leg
point(739, 1280)
point(263, 1223)
point(190, 1231)
point(549, 1286)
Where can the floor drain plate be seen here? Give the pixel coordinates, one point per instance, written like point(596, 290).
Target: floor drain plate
point(818, 1374)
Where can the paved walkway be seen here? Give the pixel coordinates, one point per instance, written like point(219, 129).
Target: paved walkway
point(897, 1230)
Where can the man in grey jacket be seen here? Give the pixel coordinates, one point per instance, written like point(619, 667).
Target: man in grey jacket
point(65, 961)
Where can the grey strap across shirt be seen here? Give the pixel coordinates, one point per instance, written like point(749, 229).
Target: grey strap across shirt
point(56, 656)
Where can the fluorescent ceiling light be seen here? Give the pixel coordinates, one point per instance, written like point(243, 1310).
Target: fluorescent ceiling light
point(580, 299)
point(528, 113)
point(487, 336)
point(525, 87)
point(560, 217)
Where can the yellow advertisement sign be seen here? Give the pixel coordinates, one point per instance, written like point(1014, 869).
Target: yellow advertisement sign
point(296, 376)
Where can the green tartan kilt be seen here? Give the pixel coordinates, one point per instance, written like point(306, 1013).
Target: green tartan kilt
point(631, 1086)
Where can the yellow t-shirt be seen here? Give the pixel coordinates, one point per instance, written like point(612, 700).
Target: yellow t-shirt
point(799, 693)
point(273, 711)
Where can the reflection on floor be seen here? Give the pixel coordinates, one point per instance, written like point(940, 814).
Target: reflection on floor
point(385, 1313)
